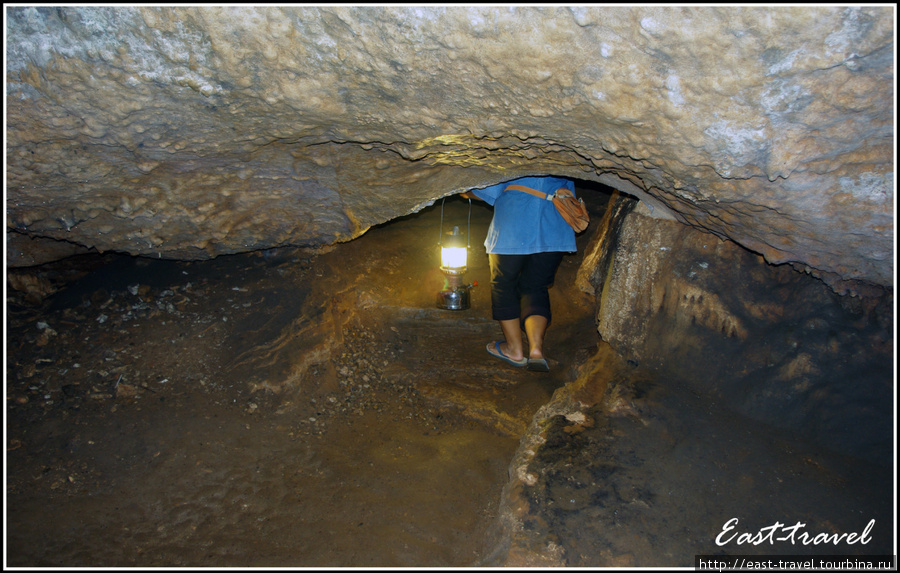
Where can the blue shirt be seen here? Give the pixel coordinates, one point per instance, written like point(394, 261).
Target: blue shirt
point(524, 224)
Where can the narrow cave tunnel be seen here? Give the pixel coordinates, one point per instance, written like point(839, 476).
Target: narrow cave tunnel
point(312, 406)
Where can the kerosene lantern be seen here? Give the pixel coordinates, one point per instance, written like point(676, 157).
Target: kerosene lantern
point(454, 254)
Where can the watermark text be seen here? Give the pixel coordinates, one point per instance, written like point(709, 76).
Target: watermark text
point(781, 533)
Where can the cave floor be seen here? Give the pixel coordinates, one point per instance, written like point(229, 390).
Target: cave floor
point(313, 408)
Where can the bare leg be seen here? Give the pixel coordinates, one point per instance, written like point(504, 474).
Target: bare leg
point(535, 327)
point(512, 331)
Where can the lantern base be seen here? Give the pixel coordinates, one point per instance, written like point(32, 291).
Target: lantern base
point(454, 299)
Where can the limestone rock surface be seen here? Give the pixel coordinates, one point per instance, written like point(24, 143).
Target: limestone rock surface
point(776, 345)
point(190, 132)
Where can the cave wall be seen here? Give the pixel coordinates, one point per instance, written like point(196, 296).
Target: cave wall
point(774, 344)
point(190, 132)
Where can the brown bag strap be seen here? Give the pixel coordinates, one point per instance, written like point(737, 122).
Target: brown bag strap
point(573, 211)
point(535, 192)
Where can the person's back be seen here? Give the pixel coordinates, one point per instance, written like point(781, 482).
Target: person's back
point(524, 224)
point(525, 243)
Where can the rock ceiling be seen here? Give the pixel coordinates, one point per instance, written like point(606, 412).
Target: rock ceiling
point(198, 131)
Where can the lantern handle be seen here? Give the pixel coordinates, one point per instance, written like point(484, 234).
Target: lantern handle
point(441, 229)
point(468, 231)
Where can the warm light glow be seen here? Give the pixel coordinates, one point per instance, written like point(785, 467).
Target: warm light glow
point(453, 257)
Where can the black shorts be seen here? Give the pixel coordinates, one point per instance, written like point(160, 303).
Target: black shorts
point(520, 283)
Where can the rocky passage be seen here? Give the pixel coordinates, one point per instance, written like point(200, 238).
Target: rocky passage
point(312, 407)
point(289, 407)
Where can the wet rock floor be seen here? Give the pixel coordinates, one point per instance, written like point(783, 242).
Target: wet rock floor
point(313, 408)
point(654, 475)
point(292, 407)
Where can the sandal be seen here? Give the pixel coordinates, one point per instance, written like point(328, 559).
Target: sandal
point(493, 349)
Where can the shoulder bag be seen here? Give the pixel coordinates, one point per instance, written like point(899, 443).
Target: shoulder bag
point(572, 210)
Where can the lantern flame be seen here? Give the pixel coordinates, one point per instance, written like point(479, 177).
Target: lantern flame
point(453, 257)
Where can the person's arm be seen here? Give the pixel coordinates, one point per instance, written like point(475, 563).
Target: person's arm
point(467, 195)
